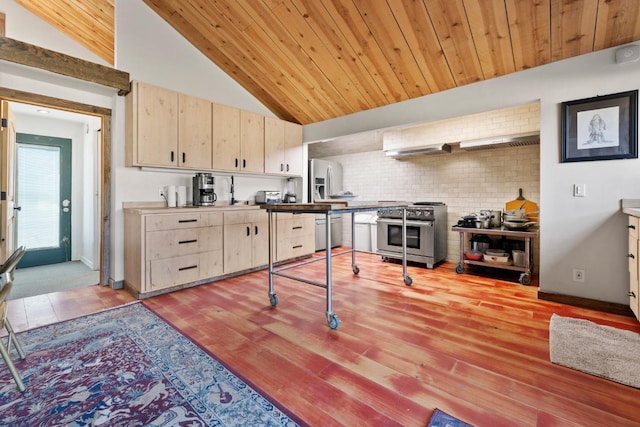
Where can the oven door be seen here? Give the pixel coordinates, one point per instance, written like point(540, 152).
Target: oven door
point(420, 237)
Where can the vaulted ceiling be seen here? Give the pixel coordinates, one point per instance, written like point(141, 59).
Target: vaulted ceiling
point(313, 60)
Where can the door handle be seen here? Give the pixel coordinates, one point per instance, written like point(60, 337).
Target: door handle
point(17, 208)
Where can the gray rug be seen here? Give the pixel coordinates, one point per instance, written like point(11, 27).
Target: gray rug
point(599, 350)
point(46, 279)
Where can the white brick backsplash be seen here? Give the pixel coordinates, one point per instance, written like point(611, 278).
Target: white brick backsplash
point(467, 181)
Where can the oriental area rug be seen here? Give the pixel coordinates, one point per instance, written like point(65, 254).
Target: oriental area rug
point(599, 350)
point(126, 367)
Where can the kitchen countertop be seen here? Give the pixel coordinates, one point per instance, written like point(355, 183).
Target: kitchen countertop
point(142, 208)
point(632, 211)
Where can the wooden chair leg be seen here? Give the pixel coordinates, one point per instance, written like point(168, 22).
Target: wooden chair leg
point(7, 360)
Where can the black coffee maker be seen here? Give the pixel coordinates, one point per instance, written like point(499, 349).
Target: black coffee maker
point(203, 190)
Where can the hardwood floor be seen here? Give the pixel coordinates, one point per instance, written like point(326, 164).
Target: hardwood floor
point(474, 347)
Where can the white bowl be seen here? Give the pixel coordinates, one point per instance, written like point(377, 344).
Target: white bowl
point(497, 259)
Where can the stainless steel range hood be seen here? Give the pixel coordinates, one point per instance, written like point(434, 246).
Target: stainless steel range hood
point(425, 150)
point(515, 140)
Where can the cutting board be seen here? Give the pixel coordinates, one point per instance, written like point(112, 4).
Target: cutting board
point(531, 208)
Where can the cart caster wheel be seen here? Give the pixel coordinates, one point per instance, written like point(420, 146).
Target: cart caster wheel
point(333, 321)
point(407, 280)
point(273, 299)
point(459, 268)
point(525, 279)
point(356, 270)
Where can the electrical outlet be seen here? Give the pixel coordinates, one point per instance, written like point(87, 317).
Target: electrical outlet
point(579, 190)
point(578, 275)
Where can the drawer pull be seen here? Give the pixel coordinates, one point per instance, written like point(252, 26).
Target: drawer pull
point(297, 228)
point(632, 294)
point(256, 230)
point(633, 227)
point(182, 221)
point(632, 256)
point(297, 246)
point(248, 231)
point(187, 241)
point(187, 268)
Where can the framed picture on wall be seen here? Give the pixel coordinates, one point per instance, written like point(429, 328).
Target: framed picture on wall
point(600, 128)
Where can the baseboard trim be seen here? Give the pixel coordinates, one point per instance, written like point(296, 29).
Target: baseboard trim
point(116, 284)
point(606, 307)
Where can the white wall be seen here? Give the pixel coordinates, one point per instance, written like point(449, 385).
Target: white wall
point(587, 233)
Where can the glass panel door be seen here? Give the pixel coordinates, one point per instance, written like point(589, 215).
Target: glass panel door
point(43, 188)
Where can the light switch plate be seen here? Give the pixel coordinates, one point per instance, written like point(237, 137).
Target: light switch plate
point(579, 190)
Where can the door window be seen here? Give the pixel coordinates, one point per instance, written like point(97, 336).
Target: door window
point(39, 191)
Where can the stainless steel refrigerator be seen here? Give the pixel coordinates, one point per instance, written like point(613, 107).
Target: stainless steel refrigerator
point(325, 180)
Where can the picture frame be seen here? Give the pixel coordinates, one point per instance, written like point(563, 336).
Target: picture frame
point(600, 128)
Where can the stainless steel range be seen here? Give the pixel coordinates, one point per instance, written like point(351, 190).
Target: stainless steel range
point(426, 224)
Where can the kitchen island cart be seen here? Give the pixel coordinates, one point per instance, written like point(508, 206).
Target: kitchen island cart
point(327, 209)
point(525, 235)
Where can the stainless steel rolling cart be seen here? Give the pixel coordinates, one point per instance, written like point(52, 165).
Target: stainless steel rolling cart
point(526, 235)
point(327, 209)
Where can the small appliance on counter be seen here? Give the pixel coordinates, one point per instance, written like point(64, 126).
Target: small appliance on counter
point(265, 196)
point(290, 195)
point(203, 190)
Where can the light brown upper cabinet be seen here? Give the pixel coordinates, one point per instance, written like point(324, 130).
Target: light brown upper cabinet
point(282, 147)
point(251, 142)
point(238, 140)
point(151, 126)
point(194, 132)
point(167, 129)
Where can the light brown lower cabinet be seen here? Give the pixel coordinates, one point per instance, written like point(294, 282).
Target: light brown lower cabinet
point(295, 235)
point(246, 240)
point(168, 249)
point(634, 265)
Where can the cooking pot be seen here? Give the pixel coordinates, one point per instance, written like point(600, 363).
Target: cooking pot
point(481, 242)
point(496, 219)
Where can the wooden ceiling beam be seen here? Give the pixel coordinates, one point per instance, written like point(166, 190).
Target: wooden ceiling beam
point(34, 56)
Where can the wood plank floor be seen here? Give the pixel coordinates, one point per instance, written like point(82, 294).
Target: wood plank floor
point(472, 346)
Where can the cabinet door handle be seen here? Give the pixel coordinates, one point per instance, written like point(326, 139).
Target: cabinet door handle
point(632, 294)
point(248, 231)
point(297, 246)
point(236, 162)
point(256, 230)
point(187, 268)
point(184, 157)
point(244, 163)
point(633, 227)
point(632, 256)
point(181, 221)
point(287, 167)
point(187, 241)
point(281, 167)
point(297, 228)
point(172, 156)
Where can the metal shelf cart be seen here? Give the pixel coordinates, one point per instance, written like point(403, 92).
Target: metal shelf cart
point(526, 235)
point(327, 209)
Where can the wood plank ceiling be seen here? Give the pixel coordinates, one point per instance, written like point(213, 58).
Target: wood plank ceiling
point(311, 60)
